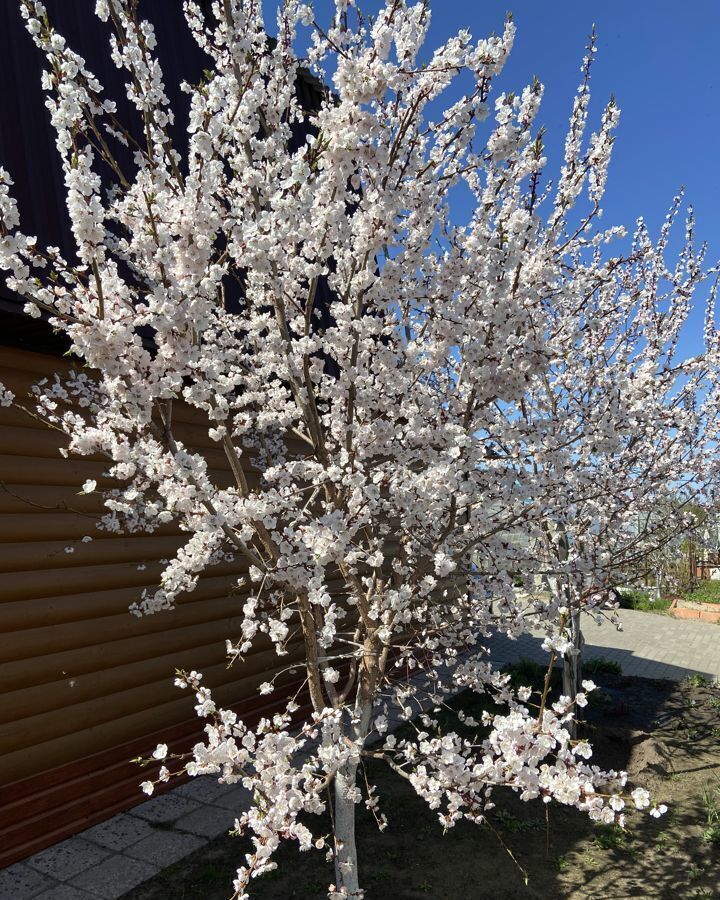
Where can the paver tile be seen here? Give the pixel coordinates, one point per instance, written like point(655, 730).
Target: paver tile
point(684, 645)
point(68, 858)
point(20, 882)
point(64, 892)
point(115, 876)
point(208, 821)
point(164, 809)
point(118, 832)
point(236, 800)
point(163, 848)
point(204, 789)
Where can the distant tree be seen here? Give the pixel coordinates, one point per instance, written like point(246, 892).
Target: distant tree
point(617, 424)
point(681, 537)
point(485, 401)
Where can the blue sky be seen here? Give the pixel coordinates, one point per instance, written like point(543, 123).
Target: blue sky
point(660, 63)
point(662, 67)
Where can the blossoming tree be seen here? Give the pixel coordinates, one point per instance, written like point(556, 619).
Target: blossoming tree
point(481, 402)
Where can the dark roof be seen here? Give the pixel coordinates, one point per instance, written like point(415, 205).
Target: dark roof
point(27, 140)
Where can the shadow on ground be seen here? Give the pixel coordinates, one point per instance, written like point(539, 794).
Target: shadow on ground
point(600, 644)
point(666, 735)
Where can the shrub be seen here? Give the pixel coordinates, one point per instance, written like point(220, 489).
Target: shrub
point(629, 597)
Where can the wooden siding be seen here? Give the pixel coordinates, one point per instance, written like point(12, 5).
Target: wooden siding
point(86, 685)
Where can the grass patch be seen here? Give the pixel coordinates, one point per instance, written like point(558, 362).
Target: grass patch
point(526, 672)
point(631, 598)
point(508, 822)
point(599, 665)
point(705, 592)
point(711, 802)
point(611, 837)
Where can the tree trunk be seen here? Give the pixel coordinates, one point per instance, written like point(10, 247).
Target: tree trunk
point(346, 861)
point(572, 666)
point(346, 864)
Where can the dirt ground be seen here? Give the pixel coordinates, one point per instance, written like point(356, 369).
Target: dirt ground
point(666, 735)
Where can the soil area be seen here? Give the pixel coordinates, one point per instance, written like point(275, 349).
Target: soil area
point(666, 735)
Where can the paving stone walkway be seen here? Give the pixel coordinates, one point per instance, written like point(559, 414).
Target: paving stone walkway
point(109, 859)
point(649, 646)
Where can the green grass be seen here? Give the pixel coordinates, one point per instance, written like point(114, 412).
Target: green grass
point(610, 837)
point(711, 802)
point(508, 822)
point(630, 598)
point(526, 672)
point(598, 665)
point(705, 592)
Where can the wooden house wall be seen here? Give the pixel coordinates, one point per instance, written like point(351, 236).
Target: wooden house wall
point(86, 686)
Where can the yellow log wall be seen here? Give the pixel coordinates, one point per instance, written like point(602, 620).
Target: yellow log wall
point(85, 684)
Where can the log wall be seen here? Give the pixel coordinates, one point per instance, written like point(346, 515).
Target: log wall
point(86, 686)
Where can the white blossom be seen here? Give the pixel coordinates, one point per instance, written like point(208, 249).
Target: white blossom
point(484, 401)
point(641, 798)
